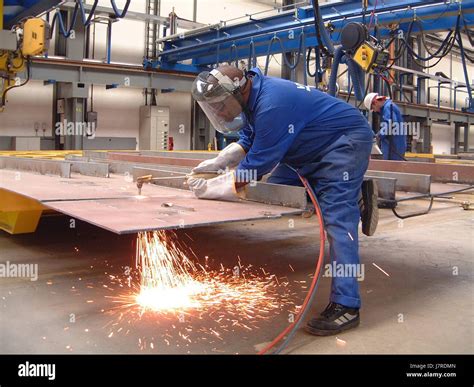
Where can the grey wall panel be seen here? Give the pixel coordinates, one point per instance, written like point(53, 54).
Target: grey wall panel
point(27, 108)
point(111, 143)
point(6, 143)
point(118, 111)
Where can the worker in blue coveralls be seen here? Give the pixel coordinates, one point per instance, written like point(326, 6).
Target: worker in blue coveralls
point(392, 134)
point(289, 129)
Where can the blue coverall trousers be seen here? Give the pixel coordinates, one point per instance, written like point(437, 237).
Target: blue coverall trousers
point(336, 176)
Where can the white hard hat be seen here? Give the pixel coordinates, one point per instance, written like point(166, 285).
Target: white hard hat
point(369, 99)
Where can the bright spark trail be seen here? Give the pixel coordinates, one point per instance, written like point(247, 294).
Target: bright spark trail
point(168, 287)
point(166, 275)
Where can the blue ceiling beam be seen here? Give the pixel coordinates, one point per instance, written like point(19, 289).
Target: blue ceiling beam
point(215, 46)
point(261, 44)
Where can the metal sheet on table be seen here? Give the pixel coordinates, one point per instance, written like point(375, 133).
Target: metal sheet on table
point(455, 173)
point(78, 187)
point(43, 167)
point(113, 203)
point(130, 157)
point(131, 215)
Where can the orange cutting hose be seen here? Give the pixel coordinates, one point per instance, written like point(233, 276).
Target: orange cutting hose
point(314, 283)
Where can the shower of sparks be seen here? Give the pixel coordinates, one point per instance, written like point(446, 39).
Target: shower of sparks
point(198, 302)
point(166, 281)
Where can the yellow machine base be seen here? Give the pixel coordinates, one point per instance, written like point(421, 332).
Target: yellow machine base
point(19, 214)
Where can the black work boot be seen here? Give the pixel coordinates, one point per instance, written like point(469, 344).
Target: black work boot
point(369, 211)
point(335, 319)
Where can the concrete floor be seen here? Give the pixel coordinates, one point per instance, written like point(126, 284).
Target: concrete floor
point(424, 305)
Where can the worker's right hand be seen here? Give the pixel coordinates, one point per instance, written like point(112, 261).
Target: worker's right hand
point(229, 157)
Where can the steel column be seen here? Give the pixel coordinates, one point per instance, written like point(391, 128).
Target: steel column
point(466, 138)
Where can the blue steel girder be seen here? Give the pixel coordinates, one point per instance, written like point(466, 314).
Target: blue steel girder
point(233, 43)
point(35, 8)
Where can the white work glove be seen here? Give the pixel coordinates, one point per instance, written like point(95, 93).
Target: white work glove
point(221, 187)
point(229, 157)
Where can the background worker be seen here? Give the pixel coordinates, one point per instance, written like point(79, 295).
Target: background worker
point(392, 136)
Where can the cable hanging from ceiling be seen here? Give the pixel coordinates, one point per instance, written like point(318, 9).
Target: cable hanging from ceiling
point(86, 20)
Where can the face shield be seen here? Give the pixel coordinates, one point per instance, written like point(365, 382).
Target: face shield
point(221, 100)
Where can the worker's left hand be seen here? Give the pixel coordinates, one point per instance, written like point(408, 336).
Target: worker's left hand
point(221, 187)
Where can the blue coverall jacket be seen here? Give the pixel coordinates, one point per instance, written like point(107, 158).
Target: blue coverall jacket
point(329, 142)
point(392, 134)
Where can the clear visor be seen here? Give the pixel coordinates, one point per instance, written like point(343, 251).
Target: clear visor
point(219, 104)
point(222, 119)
